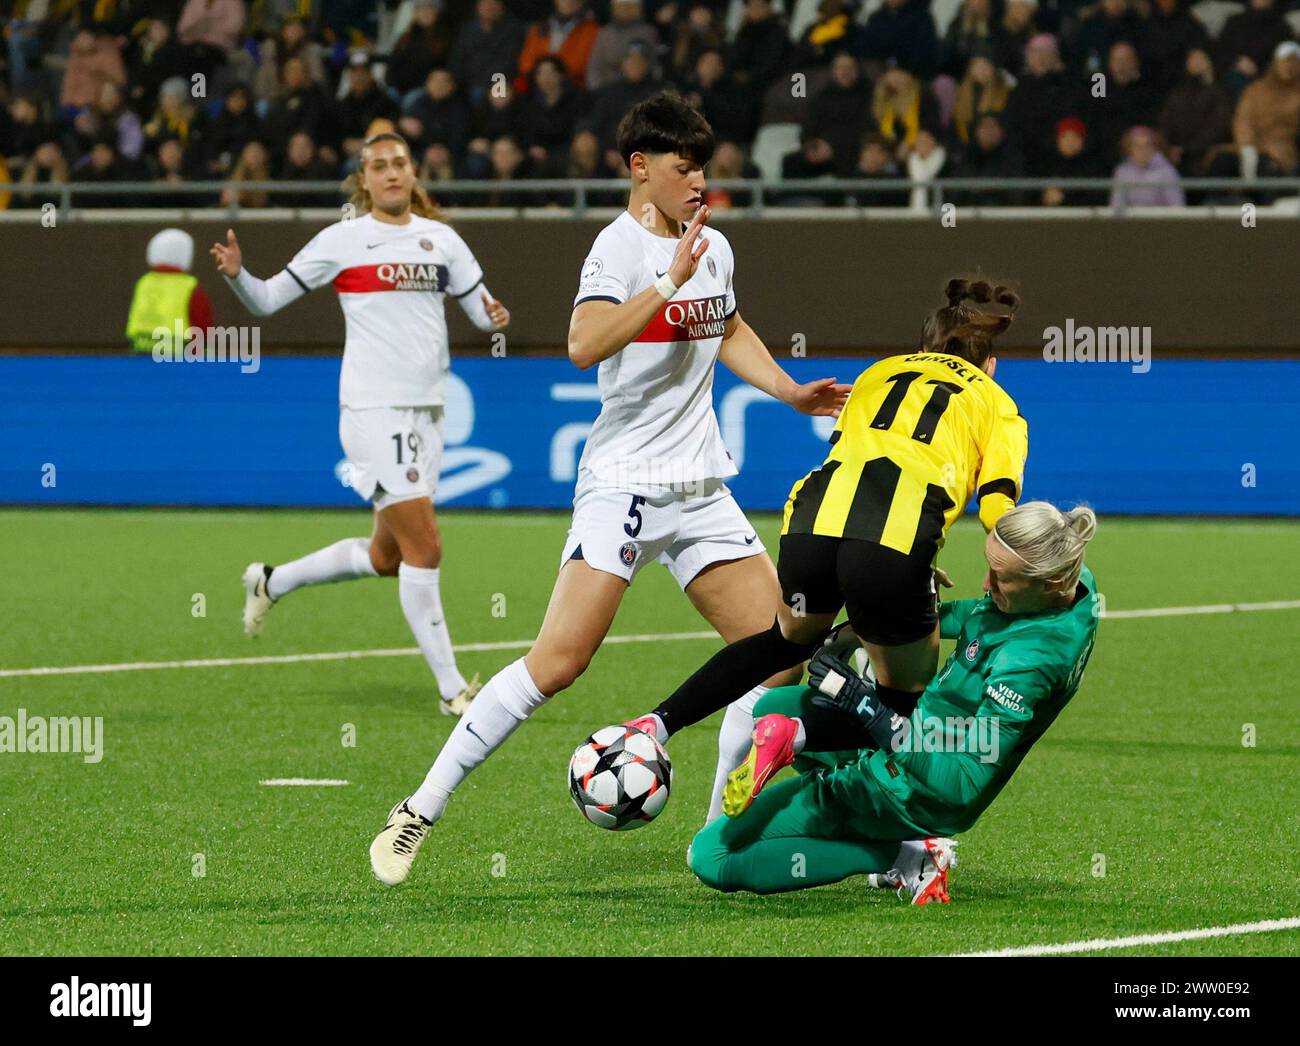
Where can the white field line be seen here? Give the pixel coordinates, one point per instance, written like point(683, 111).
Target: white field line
point(524, 644)
point(303, 782)
point(1142, 940)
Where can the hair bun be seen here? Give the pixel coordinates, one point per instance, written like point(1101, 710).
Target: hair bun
point(1083, 521)
point(980, 292)
point(956, 290)
point(1004, 295)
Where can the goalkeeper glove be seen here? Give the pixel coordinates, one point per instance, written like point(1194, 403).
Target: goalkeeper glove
point(841, 689)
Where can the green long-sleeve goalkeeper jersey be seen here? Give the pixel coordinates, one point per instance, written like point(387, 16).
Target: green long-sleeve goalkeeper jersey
point(1006, 681)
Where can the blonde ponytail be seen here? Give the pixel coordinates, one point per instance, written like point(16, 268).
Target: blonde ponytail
point(1050, 542)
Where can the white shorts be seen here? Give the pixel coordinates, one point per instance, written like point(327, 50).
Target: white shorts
point(394, 453)
point(619, 533)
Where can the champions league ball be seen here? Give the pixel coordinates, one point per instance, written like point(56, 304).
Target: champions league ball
point(620, 778)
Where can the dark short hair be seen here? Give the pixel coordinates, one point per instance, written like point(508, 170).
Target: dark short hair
point(665, 123)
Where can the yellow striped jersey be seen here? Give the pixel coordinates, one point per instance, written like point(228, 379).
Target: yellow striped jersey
point(919, 435)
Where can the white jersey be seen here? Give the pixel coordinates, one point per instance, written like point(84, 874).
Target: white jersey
point(391, 281)
point(656, 425)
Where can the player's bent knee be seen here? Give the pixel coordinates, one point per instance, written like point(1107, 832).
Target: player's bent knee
point(709, 859)
point(557, 672)
point(385, 563)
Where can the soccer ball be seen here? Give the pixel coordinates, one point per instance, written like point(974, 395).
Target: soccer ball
point(620, 778)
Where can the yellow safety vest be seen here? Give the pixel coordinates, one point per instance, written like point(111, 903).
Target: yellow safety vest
point(160, 299)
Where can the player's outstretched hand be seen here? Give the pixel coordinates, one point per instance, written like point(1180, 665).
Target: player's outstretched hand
point(822, 397)
point(497, 313)
point(228, 256)
point(688, 253)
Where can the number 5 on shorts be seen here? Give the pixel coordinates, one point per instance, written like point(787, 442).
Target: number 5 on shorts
point(634, 513)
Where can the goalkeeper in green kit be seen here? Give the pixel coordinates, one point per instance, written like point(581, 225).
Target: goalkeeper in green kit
point(878, 793)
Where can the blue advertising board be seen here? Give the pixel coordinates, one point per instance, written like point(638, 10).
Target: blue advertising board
point(1187, 436)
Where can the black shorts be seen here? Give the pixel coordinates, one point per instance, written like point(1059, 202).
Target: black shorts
point(891, 598)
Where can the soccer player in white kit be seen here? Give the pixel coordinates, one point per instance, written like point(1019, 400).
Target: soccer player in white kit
point(392, 266)
point(655, 309)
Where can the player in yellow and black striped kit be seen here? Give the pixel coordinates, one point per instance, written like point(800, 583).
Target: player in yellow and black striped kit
point(920, 435)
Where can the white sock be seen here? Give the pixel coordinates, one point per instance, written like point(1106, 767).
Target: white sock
point(341, 561)
point(507, 700)
point(734, 741)
point(417, 588)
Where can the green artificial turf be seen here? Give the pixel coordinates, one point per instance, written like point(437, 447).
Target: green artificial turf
point(1145, 767)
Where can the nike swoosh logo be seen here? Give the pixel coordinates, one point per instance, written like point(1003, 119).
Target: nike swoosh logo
point(661, 273)
point(751, 539)
point(476, 734)
point(435, 624)
point(372, 246)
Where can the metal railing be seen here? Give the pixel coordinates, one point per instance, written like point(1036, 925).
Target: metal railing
point(845, 197)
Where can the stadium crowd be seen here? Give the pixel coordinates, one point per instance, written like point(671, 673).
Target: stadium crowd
point(503, 91)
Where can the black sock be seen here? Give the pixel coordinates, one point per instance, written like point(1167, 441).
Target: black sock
point(826, 730)
point(901, 701)
point(730, 674)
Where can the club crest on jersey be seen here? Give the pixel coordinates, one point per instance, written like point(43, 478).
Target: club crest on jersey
point(426, 243)
point(405, 276)
point(628, 552)
point(412, 475)
point(973, 650)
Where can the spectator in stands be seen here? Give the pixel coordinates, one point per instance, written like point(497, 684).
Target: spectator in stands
point(627, 26)
point(290, 42)
point(1268, 115)
point(1130, 100)
point(1248, 39)
point(926, 161)
point(974, 30)
point(700, 31)
point(218, 24)
point(551, 112)
point(1072, 159)
point(990, 157)
point(220, 139)
point(901, 31)
point(1170, 35)
point(169, 168)
point(729, 161)
point(612, 101)
point(1197, 115)
point(761, 50)
point(832, 31)
point(486, 46)
point(438, 115)
point(253, 165)
point(984, 89)
point(174, 117)
point(93, 60)
point(301, 105)
point(875, 161)
point(838, 115)
point(499, 116)
point(1042, 96)
point(1019, 26)
point(437, 164)
point(901, 107)
point(109, 117)
point(569, 34)
point(155, 56)
point(1109, 23)
point(47, 166)
point(424, 45)
point(303, 163)
point(367, 100)
point(1142, 179)
point(509, 164)
point(729, 108)
point(29, 128)
point(104, 165)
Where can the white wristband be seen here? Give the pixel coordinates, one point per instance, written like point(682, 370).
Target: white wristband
point(665, 286)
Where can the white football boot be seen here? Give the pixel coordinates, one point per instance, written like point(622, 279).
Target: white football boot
point(920, 872)
point(258, 601)
point(459, 704)
point(394, 849)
